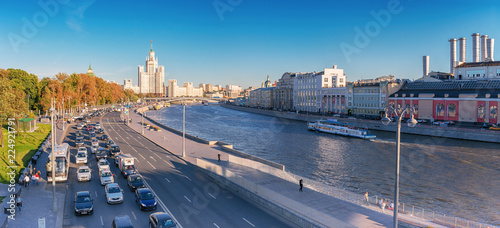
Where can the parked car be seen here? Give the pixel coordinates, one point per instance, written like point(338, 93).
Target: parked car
point(83, 203)
point(84, 173)
point(106, 176)
point(135, 181)
point(351, 118)
point(422, 121)
point(122, 222)
point(145, 198)
point(114, 194)
point(101, 153)
point(103, 164)
point(161, 220)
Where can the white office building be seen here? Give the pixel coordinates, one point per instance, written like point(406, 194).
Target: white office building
point(187, 90)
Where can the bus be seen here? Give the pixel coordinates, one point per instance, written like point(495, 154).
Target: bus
point(62, 162)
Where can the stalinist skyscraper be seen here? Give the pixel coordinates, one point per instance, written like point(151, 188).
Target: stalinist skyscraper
point(152, 80)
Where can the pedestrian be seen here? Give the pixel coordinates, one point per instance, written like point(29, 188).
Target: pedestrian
point(19, 203)
point(301, 184)
point(33, 171)
point(382, 206)
point(37, 178)
point(33, 180)
point(392, 206)
point(26, 181)
point(366, 199)
point(218, 157)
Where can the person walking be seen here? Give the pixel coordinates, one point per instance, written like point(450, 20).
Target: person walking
point(382, 206)
point(301, 184)
point(26, 181)
point(33, 180)
point(218, 157)
point(19, 203)
point(37, 178)
point(365, 197)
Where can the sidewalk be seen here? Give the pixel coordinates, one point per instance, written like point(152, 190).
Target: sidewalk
point(37, 200)
point(340, 213)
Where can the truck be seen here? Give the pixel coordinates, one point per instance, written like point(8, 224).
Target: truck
point(125, 163)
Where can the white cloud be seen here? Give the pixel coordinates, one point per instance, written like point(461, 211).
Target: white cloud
point(75, 14)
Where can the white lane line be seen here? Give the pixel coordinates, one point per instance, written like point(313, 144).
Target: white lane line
point(211, 195)
point(248, 222)
point(102, 222)
point(187, 199)
point(151, 165)
point(188, 178)
point(134, 215)
point(95, 194)
point(152, 158)
point(169, 163)
point(167, 180)
point(136, 159)
point(140, 155)
point(216, 225)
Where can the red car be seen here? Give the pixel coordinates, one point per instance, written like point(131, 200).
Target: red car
point(90, 127)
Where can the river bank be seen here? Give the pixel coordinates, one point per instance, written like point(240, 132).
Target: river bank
point(427, 130)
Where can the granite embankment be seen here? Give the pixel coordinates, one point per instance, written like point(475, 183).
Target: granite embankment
point(428, 130)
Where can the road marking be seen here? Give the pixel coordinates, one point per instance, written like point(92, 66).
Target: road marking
point(102, 222)
point(134, 215)
point(157, 155)
point(187, 199)
point(248, 222)
point(167, 180)
point(95, 194)
point(169, 163)
point(152, 158)
point(216, 225)
point(211, 195)
point(136, 159)
point(188, 178)
point(151, 164)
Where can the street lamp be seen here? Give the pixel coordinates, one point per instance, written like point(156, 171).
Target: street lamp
point(412, 122)
point(52, 159)
point(183, 129)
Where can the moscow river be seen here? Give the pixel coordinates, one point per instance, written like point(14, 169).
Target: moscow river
point(453, 177)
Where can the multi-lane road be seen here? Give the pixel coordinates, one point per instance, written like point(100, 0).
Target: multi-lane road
point(192, 198)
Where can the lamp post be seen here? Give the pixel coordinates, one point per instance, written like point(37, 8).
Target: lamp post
point(412, 122)
point(28, 103)
point(52, 159)
point(183, 129)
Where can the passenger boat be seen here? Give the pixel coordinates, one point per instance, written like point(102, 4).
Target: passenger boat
point(332, 126)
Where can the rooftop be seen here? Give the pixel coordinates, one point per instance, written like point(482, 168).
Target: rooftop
point(479, 64)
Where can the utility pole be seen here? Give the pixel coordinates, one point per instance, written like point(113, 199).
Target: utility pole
point(183, 129)
point(52, 160)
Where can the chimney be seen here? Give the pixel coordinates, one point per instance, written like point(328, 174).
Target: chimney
point(491, 48)
point(426, 65)
point(483, 47)
point(461, 54)
point(475, 47)
point(453, 54)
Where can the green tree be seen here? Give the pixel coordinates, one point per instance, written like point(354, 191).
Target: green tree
point(11, 103)
point(28, 83)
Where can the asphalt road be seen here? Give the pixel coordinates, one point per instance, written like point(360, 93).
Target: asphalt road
point(192, 198)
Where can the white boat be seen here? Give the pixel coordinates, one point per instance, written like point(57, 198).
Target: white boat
point(332, 126)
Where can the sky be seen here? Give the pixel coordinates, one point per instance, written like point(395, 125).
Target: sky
point(238, 42)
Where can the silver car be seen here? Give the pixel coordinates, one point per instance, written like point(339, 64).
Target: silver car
point(81, 157)
point(106, 177)
point(114, 194)
point(84, 173)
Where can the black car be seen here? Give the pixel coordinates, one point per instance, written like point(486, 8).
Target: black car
point(83, 203)
point(161, 220)
point(104, 137)
point(114, 150)
point(91, 135)
point(100, 131)
point(78, 133)
point(79, 141)
point(101, 153)
point(109, 143)
point(122, 222)
point(145, 198)
point(135, 181)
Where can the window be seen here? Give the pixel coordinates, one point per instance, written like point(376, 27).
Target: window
point(325, 85)
point(480, 112)
point(452, 110)
point(341, 80)
point(326, 79)
point(493, 112)
point(439, 109)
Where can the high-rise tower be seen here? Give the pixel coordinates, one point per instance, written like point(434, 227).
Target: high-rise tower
point(152, 80)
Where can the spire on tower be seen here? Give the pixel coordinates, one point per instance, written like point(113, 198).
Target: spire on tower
point(151, 45)
point(90, 68)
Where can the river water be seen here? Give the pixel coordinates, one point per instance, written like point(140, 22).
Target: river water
point(454, 177)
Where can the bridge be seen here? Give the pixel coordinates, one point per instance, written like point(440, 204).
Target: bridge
point(174, 99)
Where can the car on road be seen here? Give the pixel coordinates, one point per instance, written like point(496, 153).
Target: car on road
point(89, 127)
point(93, 148)
point(91, 136)
point(336, 115)
point(79, 126)
point(351, 118)
point(94, 141)
point(100, 131)
point(97, 125)
point(122, 222)
point(106, 176)
point(114, 194)
point(114, 150)
point(135, 181)
point(104, 137)
point(78, 133)
point(83, 203)
point(81, 157)
point(103, 164)
point(101, 153)
point(84, 173)
point(82, 149)
point(109, 143)
point(161, 220)
point(79, 141)
point(145, 198)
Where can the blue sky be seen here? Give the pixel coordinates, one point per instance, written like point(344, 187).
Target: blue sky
point(238, 42)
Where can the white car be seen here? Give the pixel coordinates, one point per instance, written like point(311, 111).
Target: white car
point(106, 177)
point(94, 149)
point(82, 149)
point(114, 194)
point(94, 142)
point(81, 157)
point(79, 127)
point(84, 173)
point(103, 164)
point(98, 126)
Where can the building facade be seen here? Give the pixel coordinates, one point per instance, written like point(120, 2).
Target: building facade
point(173, 90)
point(478, 71)
point(151, 80)
point(262, 98)
point(283, 93)
point(127, 84)
point(232, 91)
